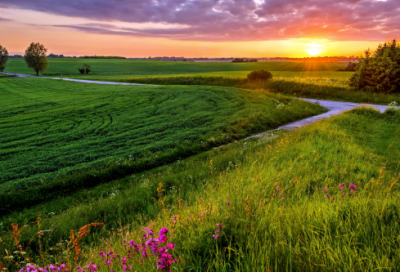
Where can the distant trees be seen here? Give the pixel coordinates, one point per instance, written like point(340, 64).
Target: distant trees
point(260, 75)
point(35, 57)
point(379, 71)
point(239, 60)
point(85, 69)
point(3, 58)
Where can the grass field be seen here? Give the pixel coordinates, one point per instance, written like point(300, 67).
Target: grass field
point(270, 196)
point(57, 128)
point(122, 69)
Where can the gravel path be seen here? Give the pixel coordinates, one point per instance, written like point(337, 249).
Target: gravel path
point(334, 107)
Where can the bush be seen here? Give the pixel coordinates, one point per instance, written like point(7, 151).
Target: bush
point(351, 67)
point(85, 69)
point(261, 75)
point(379, 71)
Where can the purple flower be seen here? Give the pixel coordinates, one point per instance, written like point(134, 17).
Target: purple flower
point(163, 231)
point(102, 254)
point(109, 263)
point(327, 195)
point(342, 186)
point(352, 186)
point(217, 231)
point(215, 236)
point(228, 203)
point(175, 217)
point(219, 225)
point(78, 268)
point(324, 189)
point(278, 188)
point(283, 198)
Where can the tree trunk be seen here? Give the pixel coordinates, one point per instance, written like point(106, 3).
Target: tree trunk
point(37, 72)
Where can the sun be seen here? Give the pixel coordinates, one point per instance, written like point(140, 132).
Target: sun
point(313, 51)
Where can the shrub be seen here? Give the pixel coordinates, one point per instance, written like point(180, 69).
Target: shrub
point(85, 69)
point(261, 75)
point(379, 71)
point(351, 67)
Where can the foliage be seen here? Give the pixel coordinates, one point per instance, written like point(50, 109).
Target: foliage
point(76, 138)
point(86, 68)
point(259, 75)
point(240, 60)
point(3, 58)
point(35, 57)
point(379, 71)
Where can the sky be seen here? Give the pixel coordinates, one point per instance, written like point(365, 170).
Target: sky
point(199, 28)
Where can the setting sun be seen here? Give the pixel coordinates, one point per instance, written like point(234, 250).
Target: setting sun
point(313, 51)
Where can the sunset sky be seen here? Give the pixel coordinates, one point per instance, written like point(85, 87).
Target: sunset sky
point(199, 28)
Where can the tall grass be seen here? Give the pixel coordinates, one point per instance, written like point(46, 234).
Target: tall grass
point(271, 198)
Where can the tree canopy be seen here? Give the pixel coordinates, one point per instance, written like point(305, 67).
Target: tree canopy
point(379, 71)
point(35, 57)
point(3, 58)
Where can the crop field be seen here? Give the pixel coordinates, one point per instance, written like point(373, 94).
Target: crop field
point(52, 127)
point(122, 69)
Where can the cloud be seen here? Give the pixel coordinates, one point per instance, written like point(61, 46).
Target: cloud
point(231, 20)
point(5, 20)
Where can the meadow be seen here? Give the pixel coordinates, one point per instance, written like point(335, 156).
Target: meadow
point(125, 69)
point(299, 79)
point(321, 198)
point(142, 159)
point(72, 136)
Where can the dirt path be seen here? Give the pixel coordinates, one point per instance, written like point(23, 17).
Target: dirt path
point(78, 80)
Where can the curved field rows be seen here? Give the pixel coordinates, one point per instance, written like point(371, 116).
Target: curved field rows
point(50, 127)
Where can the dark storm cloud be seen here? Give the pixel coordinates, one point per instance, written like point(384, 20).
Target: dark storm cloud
point(233, 20)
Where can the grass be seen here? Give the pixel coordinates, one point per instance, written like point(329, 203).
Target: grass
point(71, 138)
point(237, 185)
point(306, 87)
point(120, 69)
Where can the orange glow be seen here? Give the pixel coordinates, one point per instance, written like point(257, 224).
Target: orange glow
point(17, 34)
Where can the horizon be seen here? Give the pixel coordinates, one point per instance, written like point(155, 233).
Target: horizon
point(210, 28)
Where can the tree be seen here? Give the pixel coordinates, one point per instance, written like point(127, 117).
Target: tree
point(379, 71)
point(3, 58)
point(35, 57)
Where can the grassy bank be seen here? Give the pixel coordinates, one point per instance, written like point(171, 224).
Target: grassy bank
point(70, 138)
point(271, 197)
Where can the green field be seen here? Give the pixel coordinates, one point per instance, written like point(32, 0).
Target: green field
point(122, 69)
point(54, 127)
point(356, 233)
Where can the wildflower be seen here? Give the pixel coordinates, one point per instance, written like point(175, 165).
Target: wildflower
point(163, 231)
point(283, 198)
point(324, 189)
point(342, 186)
point(327, 196)
point(333, 198)
point(109, 263)
point(228, 203)
point(123, 240)
point(147, 232)
point(175, 217)
point(219, 225)
point(78, 268)
point(215, 236)
point(110, 253)
point(352, 186)
point(217, 231)
point(278, 188)
point(102, 254)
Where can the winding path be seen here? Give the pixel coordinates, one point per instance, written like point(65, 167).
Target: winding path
point(78, 80)
point(334, 107)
